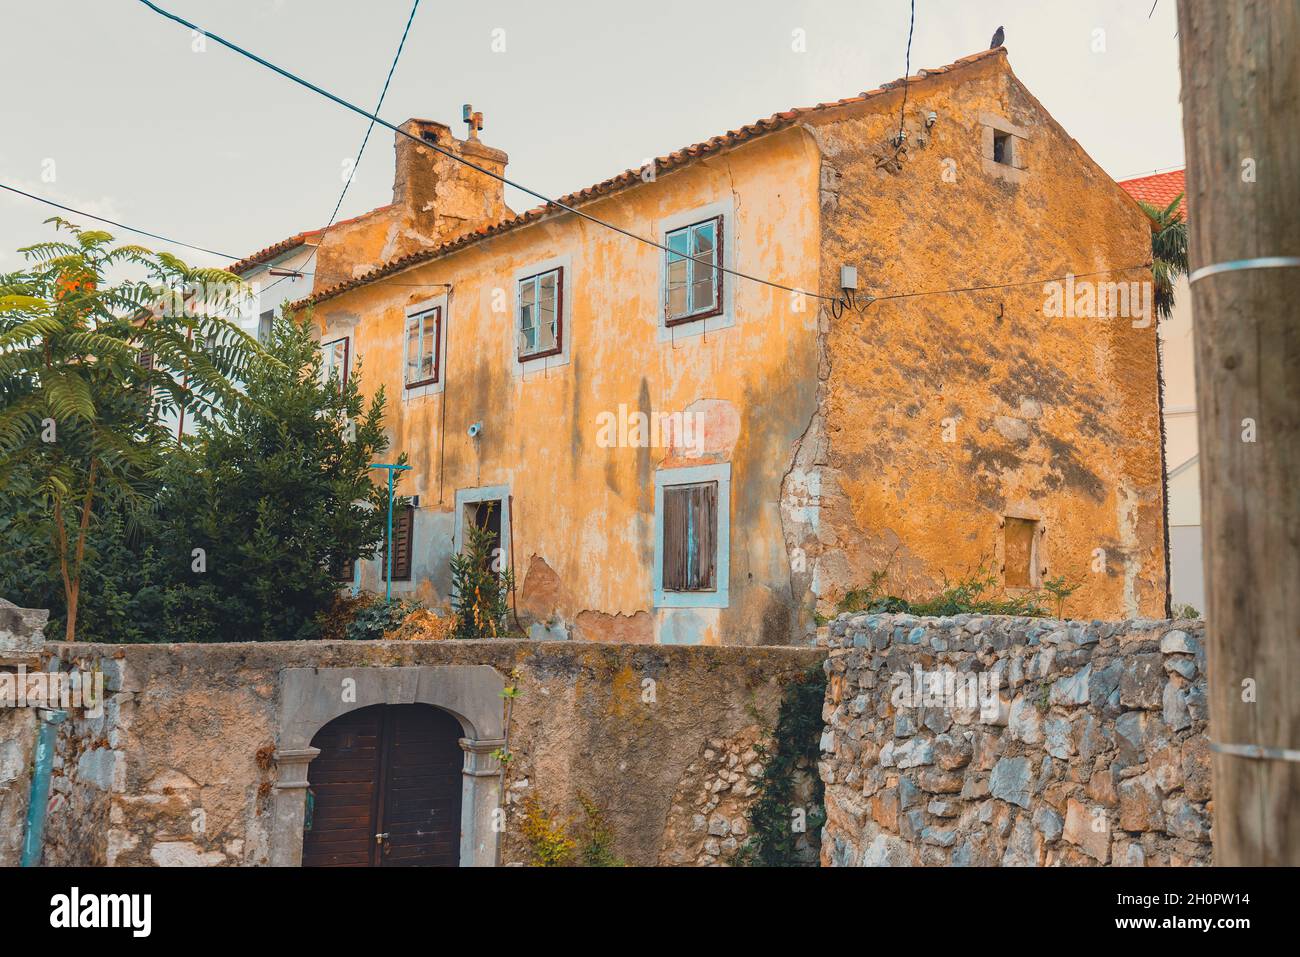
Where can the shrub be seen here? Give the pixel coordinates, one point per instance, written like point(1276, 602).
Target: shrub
point(976, 593)
point(480, 586)
point(376, 617)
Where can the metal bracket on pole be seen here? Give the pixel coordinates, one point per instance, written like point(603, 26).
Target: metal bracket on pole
point(1256, 751)
point(1259, 262)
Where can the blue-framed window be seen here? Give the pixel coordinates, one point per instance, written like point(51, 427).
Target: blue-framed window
point(694, 281)
point(541, 314)
point(692, 537)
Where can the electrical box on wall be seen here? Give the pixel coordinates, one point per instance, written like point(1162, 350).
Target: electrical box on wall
point(848, 277)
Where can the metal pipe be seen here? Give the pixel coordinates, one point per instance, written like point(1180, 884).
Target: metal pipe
point(392, 470)
point(48, 718)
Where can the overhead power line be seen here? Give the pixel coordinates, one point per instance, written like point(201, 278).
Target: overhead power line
point(112, 222)
point(464, 162)
point(837, 308)
point(907, 72)
point(838, 302)
point(364, 140)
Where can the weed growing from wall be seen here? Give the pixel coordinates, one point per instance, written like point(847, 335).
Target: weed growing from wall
point(977, 593)
point(552, 843)
point(779, 818)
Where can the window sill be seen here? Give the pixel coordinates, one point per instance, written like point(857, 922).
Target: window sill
point(530, 356)
point(693, 317)
point(691, 599)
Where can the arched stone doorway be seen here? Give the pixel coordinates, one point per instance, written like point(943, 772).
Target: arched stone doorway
point(385, 790)
point(311, 698)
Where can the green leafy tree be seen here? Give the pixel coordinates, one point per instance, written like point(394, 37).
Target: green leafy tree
point(480, 587)
point(88, 366)
point(259, 515)
point(1168, 252)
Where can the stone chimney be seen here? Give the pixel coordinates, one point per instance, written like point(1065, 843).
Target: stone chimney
point(438, 197)
point(435, 199)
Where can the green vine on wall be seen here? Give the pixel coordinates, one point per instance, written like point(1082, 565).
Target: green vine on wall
point(778, 819)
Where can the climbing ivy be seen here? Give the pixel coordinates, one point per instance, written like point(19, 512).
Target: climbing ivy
point(776, 819)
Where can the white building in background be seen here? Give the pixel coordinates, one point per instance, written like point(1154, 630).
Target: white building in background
point(1182, 453)
point(277, 274)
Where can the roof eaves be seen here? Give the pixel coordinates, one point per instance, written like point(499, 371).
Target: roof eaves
point(628, 178)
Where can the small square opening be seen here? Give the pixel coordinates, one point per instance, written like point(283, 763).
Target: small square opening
point(1002, 148)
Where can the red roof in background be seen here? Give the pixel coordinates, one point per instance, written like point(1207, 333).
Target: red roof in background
point(1159, 190)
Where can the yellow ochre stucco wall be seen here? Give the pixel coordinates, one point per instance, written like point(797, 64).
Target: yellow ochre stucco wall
point(582, 518)
point(895, 437)
point(945, 413)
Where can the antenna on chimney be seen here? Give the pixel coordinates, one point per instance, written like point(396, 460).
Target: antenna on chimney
point(471, 119)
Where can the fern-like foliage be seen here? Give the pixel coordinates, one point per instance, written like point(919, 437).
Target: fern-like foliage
point(90, 363)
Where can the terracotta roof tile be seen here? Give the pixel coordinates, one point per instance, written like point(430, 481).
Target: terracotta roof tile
point(776, 121)
point(1159, 189)
point(293, 242)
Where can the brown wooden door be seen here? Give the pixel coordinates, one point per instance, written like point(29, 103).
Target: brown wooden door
point(385, 790)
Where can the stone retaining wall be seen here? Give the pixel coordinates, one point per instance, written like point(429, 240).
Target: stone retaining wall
point(1015, 741)
point(181, 767)
point(21, 639)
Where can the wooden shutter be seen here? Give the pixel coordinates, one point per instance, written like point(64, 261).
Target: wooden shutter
point(676, 534)
point(403, 525)
point(690, 530)
point(1018, 552)
point(705, 519)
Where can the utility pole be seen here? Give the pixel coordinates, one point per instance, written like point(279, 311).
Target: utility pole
point(1241, 123)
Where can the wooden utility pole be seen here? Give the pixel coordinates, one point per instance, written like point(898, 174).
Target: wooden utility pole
point(1241, 122)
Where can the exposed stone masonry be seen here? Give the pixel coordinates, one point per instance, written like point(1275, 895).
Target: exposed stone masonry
point(1040, 742)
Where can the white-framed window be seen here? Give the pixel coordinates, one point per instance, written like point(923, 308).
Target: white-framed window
point(334, 360)
point(423, 350)
point(487, 507)
point(692, 537)
point(540, 306)
point(693, 282)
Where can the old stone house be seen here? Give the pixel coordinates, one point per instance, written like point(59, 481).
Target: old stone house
point(668, 450)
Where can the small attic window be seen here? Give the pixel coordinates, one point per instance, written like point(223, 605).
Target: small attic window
point(1002, 148)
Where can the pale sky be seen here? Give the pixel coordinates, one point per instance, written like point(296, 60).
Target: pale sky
point(105, 106)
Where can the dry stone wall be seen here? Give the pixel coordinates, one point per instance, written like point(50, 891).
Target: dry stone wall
point(977, 740)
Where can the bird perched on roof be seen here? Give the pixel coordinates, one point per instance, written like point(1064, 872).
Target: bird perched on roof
point(998, 37)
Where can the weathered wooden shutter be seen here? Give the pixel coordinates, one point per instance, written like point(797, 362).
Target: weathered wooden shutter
point(676, 534)
point(403, 525)
point(706, 527)
point(690, 530)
